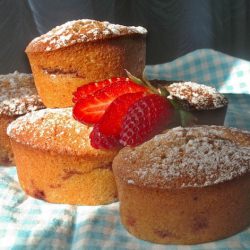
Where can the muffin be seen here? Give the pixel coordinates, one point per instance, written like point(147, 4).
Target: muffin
point(186, 186)
point(205, 103)
point(55, 161)
point(18, 96)
point(83, 51)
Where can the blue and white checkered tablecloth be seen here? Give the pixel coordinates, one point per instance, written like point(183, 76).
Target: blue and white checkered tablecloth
point(26, 223)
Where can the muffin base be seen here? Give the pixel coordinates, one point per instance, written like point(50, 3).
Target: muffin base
point(187, 215)
point(64, 179)
point(210, 117)
point(6, 154)
point(205, 117)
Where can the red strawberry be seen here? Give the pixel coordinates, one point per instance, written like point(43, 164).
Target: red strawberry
point(111, 121)
point(101, 141)
point(91, 88)
point(91, 108)
point(145, 118)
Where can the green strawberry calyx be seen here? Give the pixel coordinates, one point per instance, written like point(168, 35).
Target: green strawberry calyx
point(186, 118)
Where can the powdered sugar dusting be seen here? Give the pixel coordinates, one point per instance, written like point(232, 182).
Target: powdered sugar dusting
point(197, 96)
point(83, 31)
point(18, 94)
point(187, 157)
point(53, 130)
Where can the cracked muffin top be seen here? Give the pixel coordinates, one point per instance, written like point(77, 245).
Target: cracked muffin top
point(18, 94)
point(186, 157)
point(57, 131)
point(81, 31)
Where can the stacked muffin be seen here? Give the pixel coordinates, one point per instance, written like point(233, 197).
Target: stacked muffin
point(83, 51)
point(54, 158)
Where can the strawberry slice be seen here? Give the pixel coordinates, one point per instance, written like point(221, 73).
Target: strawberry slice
point(111, 121)
point(91, 108)
point(88, 89)
point(91, 88)
point(145, 118)
point(99, 140)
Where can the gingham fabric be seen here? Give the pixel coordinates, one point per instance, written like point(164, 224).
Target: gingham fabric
point(26, 223)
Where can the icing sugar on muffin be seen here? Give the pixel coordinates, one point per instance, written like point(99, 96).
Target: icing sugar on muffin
point(55, 161)
point(83, 51)
point(186, 186)
point(18, 96)
point(204, 102)
point(196, 96)
point(208, 106)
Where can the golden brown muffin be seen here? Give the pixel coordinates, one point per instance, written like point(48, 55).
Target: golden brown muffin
point(18, 96)
point(83, 51)
point(55, 161)
point(186, 186)
point(205, 103)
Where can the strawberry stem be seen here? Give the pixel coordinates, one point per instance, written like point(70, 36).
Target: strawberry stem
point(134, 79)
point(150, 86)
point(144, 82)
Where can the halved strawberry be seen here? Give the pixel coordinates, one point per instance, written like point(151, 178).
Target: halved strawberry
point(111, 121)
point(91, 108)
point(145, 118)
point(99, 140)
point(91, 88)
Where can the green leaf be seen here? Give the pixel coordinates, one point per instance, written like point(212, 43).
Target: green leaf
point(134, 79)
point(186, 118)
point(146, 83)
point(163, 91)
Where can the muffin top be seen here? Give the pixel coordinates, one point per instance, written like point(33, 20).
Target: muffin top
point(186, 157)
point(18, 94)
point(79, 31)
point(55, 130)
point(194, 96)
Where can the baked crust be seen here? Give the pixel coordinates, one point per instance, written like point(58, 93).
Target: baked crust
point(81, 31)
point(194, 96)
point(64, 178)
point(55, 130)
point(18, 94)
point(186, 157)
point(60, 66)
point(187, 215)
point(205, 103)
point(55, 161)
